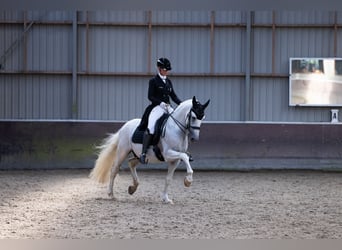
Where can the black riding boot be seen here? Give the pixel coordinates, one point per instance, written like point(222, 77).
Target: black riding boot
point(146, 142)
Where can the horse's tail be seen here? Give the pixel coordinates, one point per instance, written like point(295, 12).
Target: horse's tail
point(105, 160)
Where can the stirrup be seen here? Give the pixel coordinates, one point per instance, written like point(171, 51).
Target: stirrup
point(142, 158)
point(190, 158)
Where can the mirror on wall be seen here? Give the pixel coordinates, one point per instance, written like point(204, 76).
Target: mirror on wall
point(315, 82)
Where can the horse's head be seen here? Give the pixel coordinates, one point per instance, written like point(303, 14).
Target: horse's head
point(196, 117)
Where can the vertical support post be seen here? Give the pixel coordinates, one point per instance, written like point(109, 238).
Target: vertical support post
point(87, 41)
point(335, 34)
point(149, 64)
point(247, 113)
point(212, 40)
point(74, 65)
point(273, 42)
point(25, 43)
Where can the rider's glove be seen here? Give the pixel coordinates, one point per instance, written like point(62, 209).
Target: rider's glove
point(163, 105)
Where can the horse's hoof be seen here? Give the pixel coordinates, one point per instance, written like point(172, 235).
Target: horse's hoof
point(168, 201)
point(132, 189)
point(187, 182)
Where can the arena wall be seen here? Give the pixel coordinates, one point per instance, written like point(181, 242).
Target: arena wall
point(222, 146)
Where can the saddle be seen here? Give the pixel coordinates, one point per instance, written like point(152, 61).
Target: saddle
point(138, 135)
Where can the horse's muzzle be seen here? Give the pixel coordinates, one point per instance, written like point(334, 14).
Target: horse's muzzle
point(194, 137)
point(194, 130)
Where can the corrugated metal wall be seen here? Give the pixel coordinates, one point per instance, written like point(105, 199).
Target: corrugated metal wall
point(277, 36)
point(42, 77)
point(35, 97)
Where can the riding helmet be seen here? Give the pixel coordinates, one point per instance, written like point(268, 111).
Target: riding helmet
point(164, 63)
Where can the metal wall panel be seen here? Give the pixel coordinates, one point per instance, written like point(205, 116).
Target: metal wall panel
point(111, 16)
point(48, 15)
point(117, 48)
point(230, 17)
point(302, 43)
point(224, 94)
point(270, 96)
point(270, 103)
point(230, 50)
point(11, 15)
point(187, 48)
point(338, 16)
point(35, 97)
point(112, 98)
point(262, 50)
point(8, 35)
point(82, 47)
point(339, 34)
point(49, 48)
point(37, 15)
point(305, 17)
point(42, 48)
point(262, 17)
point(181, 17)
point(123, 98)
point(290, 42)
point(261, 47)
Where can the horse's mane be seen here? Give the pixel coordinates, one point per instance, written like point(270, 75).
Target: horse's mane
point(183, 107)
point(185, 104)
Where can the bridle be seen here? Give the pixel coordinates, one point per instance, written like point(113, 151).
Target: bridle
point(188, 125)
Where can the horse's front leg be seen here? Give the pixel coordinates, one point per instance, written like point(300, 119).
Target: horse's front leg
point(174, 155)
point(170, 172)
point(189, 171)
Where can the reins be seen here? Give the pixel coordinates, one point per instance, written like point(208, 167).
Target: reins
point(181, 126)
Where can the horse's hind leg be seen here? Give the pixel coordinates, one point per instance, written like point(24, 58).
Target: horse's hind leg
point(121, 155)
point(133, 162)
point(114, 171)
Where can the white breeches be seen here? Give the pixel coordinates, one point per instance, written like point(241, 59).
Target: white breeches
point(155, 114)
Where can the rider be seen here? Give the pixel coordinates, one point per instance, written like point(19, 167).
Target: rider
point(160, 90)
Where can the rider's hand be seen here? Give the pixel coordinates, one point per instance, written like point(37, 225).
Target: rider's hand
point(163, 105)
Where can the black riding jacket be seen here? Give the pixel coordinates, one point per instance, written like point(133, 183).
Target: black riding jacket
point(158, 91)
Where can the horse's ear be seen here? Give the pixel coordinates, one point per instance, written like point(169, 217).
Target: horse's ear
point(206, 104)
point(194, 100)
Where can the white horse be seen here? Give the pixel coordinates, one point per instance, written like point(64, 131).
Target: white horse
point(183, 123)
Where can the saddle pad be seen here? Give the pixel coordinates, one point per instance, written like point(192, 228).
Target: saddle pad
point(138, 136)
